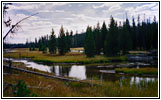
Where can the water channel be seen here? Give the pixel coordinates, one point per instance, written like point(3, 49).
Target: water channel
point(83, 72)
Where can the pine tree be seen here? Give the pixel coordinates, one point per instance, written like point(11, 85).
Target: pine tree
point(89, 44)
point(155, 34)
point(71, 38)
point(111, 43)
point(97, 38)
point(134, 43)
point(52, 43)
point(42, 44)
point(125, 38)
point(149, 37)
point(138, 32)
point(68, 41)
point(61, 42)
point(143, 35)
point(104, 33)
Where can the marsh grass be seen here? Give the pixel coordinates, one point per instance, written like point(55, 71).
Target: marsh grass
point(80, 58)
point(58, 88)
point(140, 71)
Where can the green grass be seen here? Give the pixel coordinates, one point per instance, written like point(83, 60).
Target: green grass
point(140, 71)
point(80, 58)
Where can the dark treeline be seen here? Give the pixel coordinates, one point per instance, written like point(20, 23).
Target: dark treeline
point(116, 39)
point(119, 39)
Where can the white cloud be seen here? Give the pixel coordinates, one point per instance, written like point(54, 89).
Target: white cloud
point(143, 7)
point(106, 5)
point(156, 8)
point(100, 6)
point(59, 11)
point(59, 4)
point(46, 11)
point(115, 7)
point(23, 7)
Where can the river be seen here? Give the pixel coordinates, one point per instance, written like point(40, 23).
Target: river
point(82, 72)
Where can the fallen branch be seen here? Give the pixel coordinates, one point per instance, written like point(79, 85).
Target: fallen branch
point(89, 82)
point(13, 26)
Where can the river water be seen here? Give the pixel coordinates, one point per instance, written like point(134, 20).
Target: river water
point(83, 72)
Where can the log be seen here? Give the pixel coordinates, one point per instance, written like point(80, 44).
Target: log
point(48, 76)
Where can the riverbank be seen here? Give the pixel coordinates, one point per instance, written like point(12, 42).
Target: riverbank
point(56, 88)
point(77, 58)
point(139, 71)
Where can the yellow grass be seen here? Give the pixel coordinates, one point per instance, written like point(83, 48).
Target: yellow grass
point(58, 88)
point(136, 52)
point(79, 48)
point(38, 56)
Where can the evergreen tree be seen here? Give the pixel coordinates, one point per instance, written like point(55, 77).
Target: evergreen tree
point(52, 43)
point(149, 37)
point(104, 33)
point(89, 44)
point(44, 48)
point(134, 43)
point(36, 43)
point(61, 42)
point(97, 38)
point(42, 44)
point(143, 35)
point(120, 32)
point(71, 35)
point(111, 42)
point(68, 41)
point(154, 34)
point(138, 32)
point(125, 38)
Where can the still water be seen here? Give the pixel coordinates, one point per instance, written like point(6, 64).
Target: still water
point(82, 72)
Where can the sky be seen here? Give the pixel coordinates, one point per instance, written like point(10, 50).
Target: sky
point(73, 16)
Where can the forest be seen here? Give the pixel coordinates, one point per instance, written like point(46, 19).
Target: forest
point(116, 39)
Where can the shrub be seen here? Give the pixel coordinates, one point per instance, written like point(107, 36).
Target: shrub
point(21, 90)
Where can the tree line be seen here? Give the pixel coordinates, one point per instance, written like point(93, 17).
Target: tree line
point(119, 39)
point(116, 39)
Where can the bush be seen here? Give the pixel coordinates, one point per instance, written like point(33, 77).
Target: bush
point(21, 90)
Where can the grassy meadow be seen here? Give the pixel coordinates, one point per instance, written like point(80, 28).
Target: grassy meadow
point(71, 57)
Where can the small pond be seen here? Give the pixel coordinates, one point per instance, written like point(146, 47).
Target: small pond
point(83, 72)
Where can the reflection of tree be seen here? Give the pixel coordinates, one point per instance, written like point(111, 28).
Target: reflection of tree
point(7, 21)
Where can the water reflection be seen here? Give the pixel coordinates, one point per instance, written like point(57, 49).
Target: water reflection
point(78, 72)
point(82, 72)
point(137, 80)
point(32, 65)
point(57, 70)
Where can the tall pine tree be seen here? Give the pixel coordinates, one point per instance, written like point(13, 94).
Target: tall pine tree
point(52, 43)
point(104, 33)
point(89, 44)
point(111, 43)
point(61, 42)
point(68, 41)
point(97, 35)
point(125, 38)
point(133, 31)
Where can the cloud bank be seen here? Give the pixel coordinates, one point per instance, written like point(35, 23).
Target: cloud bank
point(73, 16)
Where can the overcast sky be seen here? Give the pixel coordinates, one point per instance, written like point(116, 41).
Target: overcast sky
point(73, 16)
